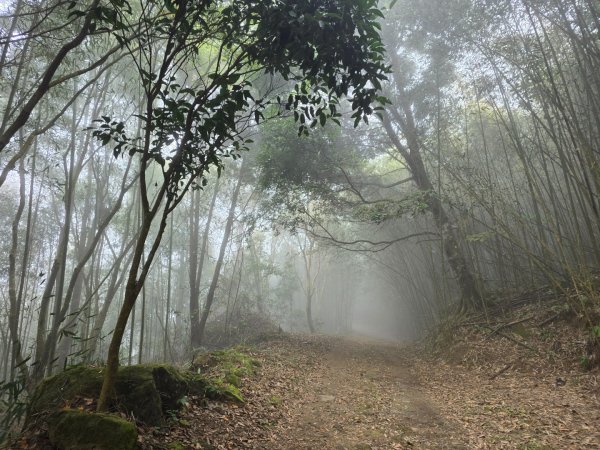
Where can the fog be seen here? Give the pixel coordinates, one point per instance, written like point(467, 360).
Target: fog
point(376, 208)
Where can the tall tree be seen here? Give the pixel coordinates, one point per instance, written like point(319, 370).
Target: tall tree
point(331, 49)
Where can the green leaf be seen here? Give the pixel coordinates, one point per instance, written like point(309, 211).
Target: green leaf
point(322, 119)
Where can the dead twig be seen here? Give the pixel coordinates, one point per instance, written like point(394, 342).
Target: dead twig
point(506, 325)
point(516, 341)
point(550, 319)
point(501, 371)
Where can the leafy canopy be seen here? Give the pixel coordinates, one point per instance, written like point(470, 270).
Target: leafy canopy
point(327, 48)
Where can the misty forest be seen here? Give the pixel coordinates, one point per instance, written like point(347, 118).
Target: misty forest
point(314, 224)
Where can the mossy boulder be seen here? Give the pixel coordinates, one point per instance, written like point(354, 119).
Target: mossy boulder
point(234, 359)
point(137, 394)
point(60, 390)
point(72, 429)
point(196, 383)
point(212, 387)
point(171, 386)
point(222, 372)
point(148, 392)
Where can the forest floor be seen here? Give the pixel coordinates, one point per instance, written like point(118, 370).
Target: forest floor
point(520, 381)
point(492, 388)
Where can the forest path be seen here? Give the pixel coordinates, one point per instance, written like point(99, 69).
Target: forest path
point(360, 395)
point(318, 392)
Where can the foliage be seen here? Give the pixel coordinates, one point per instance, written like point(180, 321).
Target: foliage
point(412, 204)
point(299, 177)
point(13, 406)
point(329, 49)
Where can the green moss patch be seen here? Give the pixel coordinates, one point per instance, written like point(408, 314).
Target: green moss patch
point(212, 387)
point(232, 360)
point(72, 429)
point(64, 388)
point(223, 371)
point(137, 394)
point(219, 389)
point(148, 392)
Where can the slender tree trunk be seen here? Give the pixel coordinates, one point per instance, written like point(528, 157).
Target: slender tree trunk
point(9, 35)
point(142, 325)
point(168, 306)
point(257, 278)
point(196, 269)
point(116, 280)
point(14, 304)
point(135, 281)
point(210, 296)
point(309, 316)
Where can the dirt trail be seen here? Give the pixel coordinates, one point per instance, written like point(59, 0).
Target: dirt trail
point(361, 396)
point(317, 392)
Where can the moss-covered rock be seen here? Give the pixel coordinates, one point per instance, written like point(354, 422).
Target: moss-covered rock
point(72, 429)
point(59, 390)
point(219, 389)
point(214, 387)
point(196, 383)
point(137, 394)
point(222, 372)
point(148, 392)
point(171, 386)
point(234, 359)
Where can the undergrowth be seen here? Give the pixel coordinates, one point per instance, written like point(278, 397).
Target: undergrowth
point(557, 325)
point(13, 407)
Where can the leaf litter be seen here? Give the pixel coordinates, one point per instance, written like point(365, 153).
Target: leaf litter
point(485, 392)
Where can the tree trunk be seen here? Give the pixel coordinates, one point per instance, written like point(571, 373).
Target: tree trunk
point(135, 281)
point(309, 317)
point(210, 296)
point(196, 267)
point(15, 304)
point(470, 295)
point(168, 305)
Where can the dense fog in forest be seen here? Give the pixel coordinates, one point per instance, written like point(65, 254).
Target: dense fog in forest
point(183, 181)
